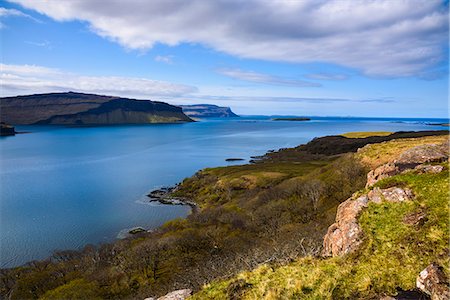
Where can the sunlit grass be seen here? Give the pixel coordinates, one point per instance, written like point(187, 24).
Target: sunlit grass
point(364, 134)
point(392, 255)
point(374, 155)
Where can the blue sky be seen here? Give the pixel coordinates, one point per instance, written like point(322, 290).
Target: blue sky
point(324, 58)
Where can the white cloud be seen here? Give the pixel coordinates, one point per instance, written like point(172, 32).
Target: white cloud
point(168, 59)
point(380, 38)
point(11, 12)
point(44, 44)
point(27, 79)
point(252, 76)
point(327, 76)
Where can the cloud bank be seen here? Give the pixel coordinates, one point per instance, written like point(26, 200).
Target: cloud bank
point(26, 79)
point(379, 38)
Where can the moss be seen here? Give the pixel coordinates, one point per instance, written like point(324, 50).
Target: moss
point(76, 289)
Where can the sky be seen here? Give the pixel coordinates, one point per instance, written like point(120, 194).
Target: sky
point(270, 57)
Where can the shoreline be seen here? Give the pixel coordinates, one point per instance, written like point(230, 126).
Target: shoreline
point(164, 196)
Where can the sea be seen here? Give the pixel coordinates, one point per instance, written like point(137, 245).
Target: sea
point(65, 187)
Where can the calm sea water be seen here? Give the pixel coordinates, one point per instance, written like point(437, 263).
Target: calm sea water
point(62, 188)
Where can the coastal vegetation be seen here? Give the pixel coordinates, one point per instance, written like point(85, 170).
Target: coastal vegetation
point(258, 230)
point(364, 134)
point(395, 249)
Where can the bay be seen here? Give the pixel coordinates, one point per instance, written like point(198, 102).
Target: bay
point(65, 187)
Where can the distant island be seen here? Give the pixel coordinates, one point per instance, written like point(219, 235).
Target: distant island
point(439, 124)
point(292, 119)
point(208, 111)
point(86, 109)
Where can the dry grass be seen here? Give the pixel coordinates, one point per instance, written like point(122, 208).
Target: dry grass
point(375, 155)
point(364, 134)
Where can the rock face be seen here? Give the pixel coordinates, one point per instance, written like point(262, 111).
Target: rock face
point(175, 295)
point(429, 169)
point(423, 154)
point(78, 109)
point(416, 158)
point(208, 111)
point(432, 281)
point(344, 236)
point(384, 171)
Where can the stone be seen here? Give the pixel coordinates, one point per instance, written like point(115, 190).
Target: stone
point(393, 194)
point(433, 281)
point(344, 236)
point(384, 171)
point(432, 169)
point(423, 154)
point(417, 218)
point(413, 158)
point(177, 295)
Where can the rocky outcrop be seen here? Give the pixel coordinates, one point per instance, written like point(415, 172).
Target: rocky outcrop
point(433, 281)
point(175, 295)
point(433, 169)
point(416, 158)
point(345, 235)
point(423, 154)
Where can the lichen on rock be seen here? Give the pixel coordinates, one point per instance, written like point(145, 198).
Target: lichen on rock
point(433, 281)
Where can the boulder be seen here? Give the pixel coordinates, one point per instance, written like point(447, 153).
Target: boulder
point(433, 281)
point(344, 236)
point(384, 171)
point(423, 154)
point(393, 194)
point(413, 158)
point(429, 169)
point(177, 295)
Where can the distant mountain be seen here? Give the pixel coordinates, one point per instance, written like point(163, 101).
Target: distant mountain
point(78, 109)
point(207, 111)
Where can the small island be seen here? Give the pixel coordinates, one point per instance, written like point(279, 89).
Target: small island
point(439, 124)
point(234, 159)
point(292, 119)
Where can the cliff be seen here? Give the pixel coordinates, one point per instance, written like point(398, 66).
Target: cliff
point(207, 111)
point(77, 108)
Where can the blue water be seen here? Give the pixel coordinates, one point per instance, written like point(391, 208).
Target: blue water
point(62, 188)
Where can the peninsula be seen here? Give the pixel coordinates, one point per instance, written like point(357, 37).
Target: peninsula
point(86, 109)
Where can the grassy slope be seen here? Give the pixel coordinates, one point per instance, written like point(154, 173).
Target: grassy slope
point(375, 155)
point(364, 134)
point(248, 214)
point(391, 257)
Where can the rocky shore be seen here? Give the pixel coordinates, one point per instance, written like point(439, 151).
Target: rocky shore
point(164, 196)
